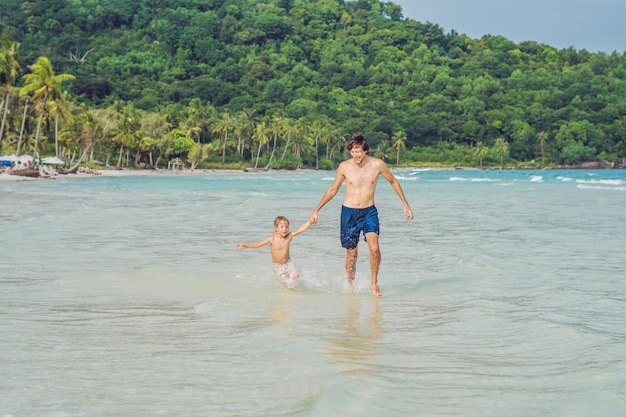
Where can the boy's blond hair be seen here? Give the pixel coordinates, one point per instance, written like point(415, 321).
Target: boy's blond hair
point(279, 219)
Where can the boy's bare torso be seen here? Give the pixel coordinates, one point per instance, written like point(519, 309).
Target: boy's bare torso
point(280, 248)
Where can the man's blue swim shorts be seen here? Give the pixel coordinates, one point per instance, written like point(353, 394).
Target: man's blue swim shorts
point(354, 221)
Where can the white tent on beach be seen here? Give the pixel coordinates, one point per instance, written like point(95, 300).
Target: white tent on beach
point(18, 160)
point(8, 158)
point(52, 160)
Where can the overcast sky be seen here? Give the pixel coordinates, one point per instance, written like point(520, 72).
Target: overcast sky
point(594, 25)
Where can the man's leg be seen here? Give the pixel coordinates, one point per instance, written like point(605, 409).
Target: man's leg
point(351, 255)
point(372, 244)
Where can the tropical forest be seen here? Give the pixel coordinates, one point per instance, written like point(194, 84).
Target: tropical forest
point(282, 84)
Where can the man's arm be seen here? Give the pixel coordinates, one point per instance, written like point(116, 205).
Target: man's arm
point(329, 194)
point(395, 184)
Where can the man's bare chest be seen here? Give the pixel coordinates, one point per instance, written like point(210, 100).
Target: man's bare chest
point(361, 179)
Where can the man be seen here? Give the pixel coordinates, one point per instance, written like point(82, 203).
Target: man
point(358, 212)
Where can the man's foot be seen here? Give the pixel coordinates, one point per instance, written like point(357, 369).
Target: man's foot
point(375, 290)
point(349, 288)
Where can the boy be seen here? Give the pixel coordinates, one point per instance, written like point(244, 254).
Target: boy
point(279, 242)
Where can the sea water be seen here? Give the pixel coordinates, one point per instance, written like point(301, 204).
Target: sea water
point(125, 296)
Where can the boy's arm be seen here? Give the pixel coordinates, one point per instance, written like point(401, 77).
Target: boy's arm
point(301, 229)
point(253, 245)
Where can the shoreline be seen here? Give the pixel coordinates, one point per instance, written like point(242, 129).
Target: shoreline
point(5, 176)
point(131, 172)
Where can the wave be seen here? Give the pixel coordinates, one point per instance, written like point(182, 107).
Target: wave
point(474, 179)
point(602, 182)
point(599, 187)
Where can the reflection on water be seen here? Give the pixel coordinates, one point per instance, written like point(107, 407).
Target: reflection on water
point(353, 345)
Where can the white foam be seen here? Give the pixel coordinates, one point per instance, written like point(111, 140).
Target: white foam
point(603, 182)
point(473, 179)
point(599, 187)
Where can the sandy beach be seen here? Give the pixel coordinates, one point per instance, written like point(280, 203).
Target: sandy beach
point(127, 172)
point(5, 176)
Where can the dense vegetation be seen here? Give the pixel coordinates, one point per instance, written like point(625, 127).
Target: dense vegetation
point(282, 83)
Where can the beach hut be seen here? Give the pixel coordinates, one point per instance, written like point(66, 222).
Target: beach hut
point(175, 164)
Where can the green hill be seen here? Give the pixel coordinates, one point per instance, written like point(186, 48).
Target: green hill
point(283, 82)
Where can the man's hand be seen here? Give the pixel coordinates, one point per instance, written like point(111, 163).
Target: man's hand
point(408, 214)
point(313, 217)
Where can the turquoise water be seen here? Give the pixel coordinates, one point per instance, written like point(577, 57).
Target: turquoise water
point(125, 296)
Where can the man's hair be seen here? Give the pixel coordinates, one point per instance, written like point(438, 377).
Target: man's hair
point(358, 140)
point(280, 219)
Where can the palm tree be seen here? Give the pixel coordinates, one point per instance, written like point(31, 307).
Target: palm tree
point(303, 145)
point(398, 143)
point(80, 134)
point(42, 83)
point(69, 136)
point(197, 154)
point(89, 130)
point(60, 111)
point(19, 141)
point(128, 130)
point(195, 118)
point(502, 146)
point(223, 124)
point(9, 69)
point(291, 128)
point(244, 128)
point(316, 130)
point(384, 151)
point(543, 136)
point(277, 127)
point(336, 141)
point(240, 129)
point(329, 133)
point(153, 126)
point(480, 151)
point(107, 120)
point(261, 134)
